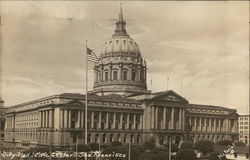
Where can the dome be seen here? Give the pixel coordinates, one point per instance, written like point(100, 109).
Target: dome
point(118, 44)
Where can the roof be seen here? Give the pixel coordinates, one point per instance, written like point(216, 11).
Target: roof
point(210, 107)
point(78, 96)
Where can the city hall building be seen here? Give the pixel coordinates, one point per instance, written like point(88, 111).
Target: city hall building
point(120, 108)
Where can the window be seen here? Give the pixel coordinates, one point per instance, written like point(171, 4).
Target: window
point(133, 76)
point(106, 76)
point(115, 75)
point(100, 77)
point(125, 75)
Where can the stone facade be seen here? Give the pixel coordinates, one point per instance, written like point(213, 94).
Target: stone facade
point(2, 119)
point(120, 108)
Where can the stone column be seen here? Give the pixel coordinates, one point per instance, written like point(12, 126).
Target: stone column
point(92, 119)
point(229, 125)
point(195, 127)
point(128, 121)
point(107, 120)
point(152, 117)
point(48, 115)
point(45, 119)
point(40, 119)
point(69, 120)
point(200, 126)
point(156, 117)
point(215, 124)
point(183, 119)
point(50, 118)
point(205, 124)
point(235, 126)
point(134, 121)
point(65, 118)
point(210, 124)
point(172, 118)
point(224, 125)
point(100, 120)
point(114, 120)
point(219, 124)
point(61, 119)
point(121, 117)
point(180, 119)
point(78, 119)
point(141, 123)
point(164, 118)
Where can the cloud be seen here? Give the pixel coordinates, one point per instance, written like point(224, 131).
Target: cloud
point(202, 45)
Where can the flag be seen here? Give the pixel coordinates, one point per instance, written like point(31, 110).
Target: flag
point(91, 56)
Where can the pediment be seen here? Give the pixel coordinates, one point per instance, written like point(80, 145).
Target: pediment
point(75, 104)
point(169, 96)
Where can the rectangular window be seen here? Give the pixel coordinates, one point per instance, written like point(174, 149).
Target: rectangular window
point(100, 77)
point(133, 76)
point(124, 75)
point(106, 76)
point(115, 75)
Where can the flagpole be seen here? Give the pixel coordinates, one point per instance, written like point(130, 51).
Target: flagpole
point(169, 148)
point(86, 101)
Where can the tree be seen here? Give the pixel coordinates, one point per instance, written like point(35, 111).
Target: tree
point(155, 155)
point(150, 145)
point(186, 154)
point(225, 142)
point(134, 153)
point(174, 147)
point(140, 148)
point(187, 145)
point(94, 146)
point(215, 156)
point(240, 144)
point(204, 146)
point(83, 148)
point(116, 143)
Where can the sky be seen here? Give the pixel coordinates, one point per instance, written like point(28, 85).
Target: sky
point(203, 47)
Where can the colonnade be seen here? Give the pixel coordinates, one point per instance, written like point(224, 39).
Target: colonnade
point(100, 119)
point(167, 118)
point(46, 118)
point(10, 122)
point(209, 124)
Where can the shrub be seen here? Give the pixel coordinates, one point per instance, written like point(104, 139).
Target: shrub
point(204, 146)
point(155, 155)
point(225, 142)
point(116, 143)
point(94, 146)
point(140, 148)
point(186, 154)
point(83, 148)
point(240, 144)
point(150, 145)
point(174, 147)
point(187, 145)
point(215, 156)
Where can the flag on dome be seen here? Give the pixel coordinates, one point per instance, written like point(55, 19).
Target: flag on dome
point(91, 56)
